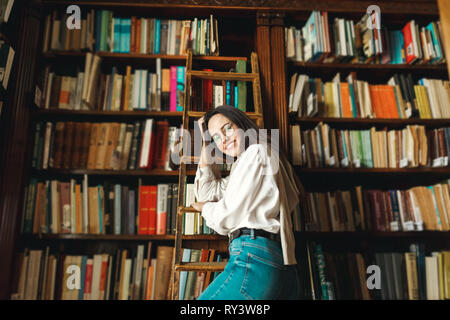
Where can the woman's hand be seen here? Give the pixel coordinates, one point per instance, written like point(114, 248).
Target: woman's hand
point(198, 206)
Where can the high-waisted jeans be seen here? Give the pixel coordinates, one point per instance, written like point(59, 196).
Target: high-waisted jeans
point(255, 271)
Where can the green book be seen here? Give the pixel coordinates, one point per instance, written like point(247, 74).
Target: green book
point(241, 67)
point(192, 276)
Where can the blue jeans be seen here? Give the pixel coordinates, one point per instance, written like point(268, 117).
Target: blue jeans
point(255, 271)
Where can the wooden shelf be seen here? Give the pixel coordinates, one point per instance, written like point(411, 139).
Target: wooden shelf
point(201, 266)
point(367, 123)
point(137, 173)
point(100, 113)
point(368, 66)
point(117, 55)
point(346, 235)
point(123, 237)
point(425, 170)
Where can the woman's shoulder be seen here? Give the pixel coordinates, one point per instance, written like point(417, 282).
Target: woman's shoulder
point(256, 152)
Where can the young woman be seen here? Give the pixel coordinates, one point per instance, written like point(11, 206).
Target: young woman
point(253, 206)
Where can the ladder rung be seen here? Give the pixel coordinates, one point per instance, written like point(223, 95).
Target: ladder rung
point(190, 159)
point(214, 75)
point(200, 266)
point(199, 114)
point(182, 210)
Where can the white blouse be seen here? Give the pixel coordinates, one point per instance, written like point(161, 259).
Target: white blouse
point(249, 197)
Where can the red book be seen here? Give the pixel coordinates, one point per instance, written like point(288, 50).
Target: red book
point(88, 280)
point(144, 196)
point(152, 200)
point(207, 93)
point(103, 277)
point(133, 35)
point(162, 132)
point(409, 42)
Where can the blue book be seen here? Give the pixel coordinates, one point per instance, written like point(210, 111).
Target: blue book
point(100, 212)
point(218, 259)
point(157, 35)
point(206, 229)
point(352, 99)
point(180, 86)
point(435, 41)
point(125, 35)
point(183, 274)
point(149, 91)
point(131, 212)
point(228, 93)
point(117, 208)
point(117, 34)
point(236, 96)
point(98, 29)
point(82, 277)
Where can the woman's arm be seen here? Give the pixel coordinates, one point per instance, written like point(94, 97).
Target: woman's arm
point(209, 185)
point(249, 189)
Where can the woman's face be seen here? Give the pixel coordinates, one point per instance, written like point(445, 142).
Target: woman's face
point(224, 133)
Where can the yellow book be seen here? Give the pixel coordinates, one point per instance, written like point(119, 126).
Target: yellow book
point(411, 276)
point(446, 270)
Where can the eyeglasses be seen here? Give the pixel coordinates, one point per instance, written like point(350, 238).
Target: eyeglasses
point(227, 131)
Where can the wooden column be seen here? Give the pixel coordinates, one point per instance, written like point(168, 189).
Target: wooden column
point(444, 13)
point(271, 53)
point(16, 141)
point(265, 70)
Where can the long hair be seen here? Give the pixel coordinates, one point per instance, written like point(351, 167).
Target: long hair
point(243, 122)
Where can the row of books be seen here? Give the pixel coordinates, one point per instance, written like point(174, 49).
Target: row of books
point(356, 42)
point(410, 275)
point(138, 89)
point(43, 275)
point(193, 283)
point(415, 209)
point(209, 94)
point(411, 147)
point(75, 207)
point(6, 60)
point(353, 98)
point(5, 10)
point(145, 144)
point(102, 30)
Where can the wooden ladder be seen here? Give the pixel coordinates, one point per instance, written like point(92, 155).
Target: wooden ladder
point(257, 116)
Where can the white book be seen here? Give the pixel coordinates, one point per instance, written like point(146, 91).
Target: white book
point(173, 37)
point(138, 272)
point(118, 83)
point(170, 142)
point(301, 79)
point(143, 90)
point(158, 85)
point(126, 279)
point(85, 205)
point(87, 72)
point(189, 228)
point(432, 278)
point(144, 160)
point(48, 132)
point(218, 95)
point(136, 88)
point(298, 45)
point(73, 207)
point(96, 273)
point(144, 22)
point(161, 208)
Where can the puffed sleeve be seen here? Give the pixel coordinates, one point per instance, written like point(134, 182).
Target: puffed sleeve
point(207, 186)
point(247, 191)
